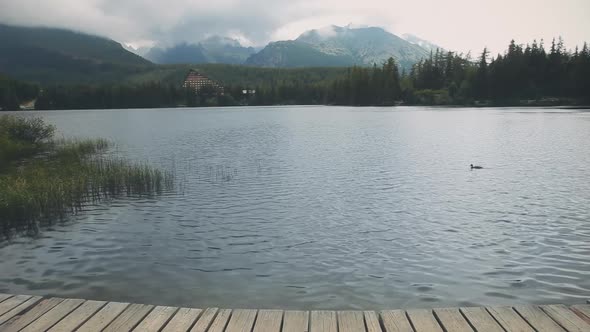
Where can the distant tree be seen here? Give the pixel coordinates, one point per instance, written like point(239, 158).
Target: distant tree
point(480, 84)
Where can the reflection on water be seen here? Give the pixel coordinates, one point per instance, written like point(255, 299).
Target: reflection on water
point(317, 207)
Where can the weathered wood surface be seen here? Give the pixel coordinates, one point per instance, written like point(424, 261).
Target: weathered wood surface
point(14, 307)
point(566, 318)
point(296, 321)
point(351, 321)
point(481, 320)
point(103, 317)
point(538, 319)
point(4, 297)
point(583, 310)
point(395, 321)
point(220, 321)
point(203, 323)
point(36, 314)
point(372, 322)
point(269, 321)
point(452, 320)
point(54, 315)
point(156, 319)
point(423, 321)
point(509, 319)
point(183, 320)
point(241, 321)
point(34, 310)
point(324, 321)
point(129, 318)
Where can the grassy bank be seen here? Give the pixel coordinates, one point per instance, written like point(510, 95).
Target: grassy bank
point(43, 179)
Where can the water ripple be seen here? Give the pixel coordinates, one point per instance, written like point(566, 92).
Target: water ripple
point(327, 208)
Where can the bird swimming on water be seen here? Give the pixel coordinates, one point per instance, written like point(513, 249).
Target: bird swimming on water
point(476, 167)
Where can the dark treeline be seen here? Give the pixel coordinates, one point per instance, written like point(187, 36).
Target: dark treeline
point(109, 96)
point(523, 72)
point(14, 93)
point(523, 75)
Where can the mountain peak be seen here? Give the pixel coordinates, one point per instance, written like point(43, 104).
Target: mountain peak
point(220, 40)
point(331, 31)
point(214, 49)
point(361, 45)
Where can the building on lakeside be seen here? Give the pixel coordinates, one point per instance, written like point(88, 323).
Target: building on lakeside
point(198, 81)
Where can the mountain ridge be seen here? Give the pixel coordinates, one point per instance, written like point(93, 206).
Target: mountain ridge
point(329, 46)
point(50, 55)
point(40, 54)
point(215, 49)
point(362, 46)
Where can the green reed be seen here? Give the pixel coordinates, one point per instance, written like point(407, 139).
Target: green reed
point(62, 177)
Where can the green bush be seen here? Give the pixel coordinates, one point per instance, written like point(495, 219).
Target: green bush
point(29, 130)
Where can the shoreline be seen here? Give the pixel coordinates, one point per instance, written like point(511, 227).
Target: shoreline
point(573, 107)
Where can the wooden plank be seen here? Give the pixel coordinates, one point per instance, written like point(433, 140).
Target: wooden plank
point(296, 321)
point(129, 318)
point(5, 296)
point(19, 309)
point(12, 303)
point(566, 318)
point(509, 319)
point(351, 321)
point(78, 316)
point(423, 321)
point(372, 322)
point(269, 321)
point(156, 319)
point(452, 320)
point(582, 310)
point(481, 320)
point(183, 320)
point(538, 319)
point(395, 321)
point(323, 321)
point(241, 320)
point(220, 321)
point(51, 317)
point(103, 317)
point(36, 310)
point(205, 320)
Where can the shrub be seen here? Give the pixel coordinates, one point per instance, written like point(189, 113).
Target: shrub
point(29, 130)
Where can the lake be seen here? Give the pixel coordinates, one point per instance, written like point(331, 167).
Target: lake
point(327, 208)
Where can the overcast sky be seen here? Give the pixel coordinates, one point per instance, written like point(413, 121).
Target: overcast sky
point(454, 24)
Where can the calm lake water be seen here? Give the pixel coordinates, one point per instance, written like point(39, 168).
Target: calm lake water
point(328, 207)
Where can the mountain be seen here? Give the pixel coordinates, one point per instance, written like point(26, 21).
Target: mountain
point(141, 51)
point(225, 50)
point(211, 50)
point(339, 46)
point(332, 46)
point(50, 55)
point(181, 53)
point(425, 44)
point(296, 54)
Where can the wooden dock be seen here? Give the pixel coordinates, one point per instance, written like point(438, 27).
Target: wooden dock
point(35, 313)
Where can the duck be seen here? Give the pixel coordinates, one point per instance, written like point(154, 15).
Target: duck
point(476, 167)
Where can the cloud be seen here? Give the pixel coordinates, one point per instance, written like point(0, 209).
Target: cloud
point(455, 24)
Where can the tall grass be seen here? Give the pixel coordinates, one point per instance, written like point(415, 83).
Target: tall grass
point(56, 178)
